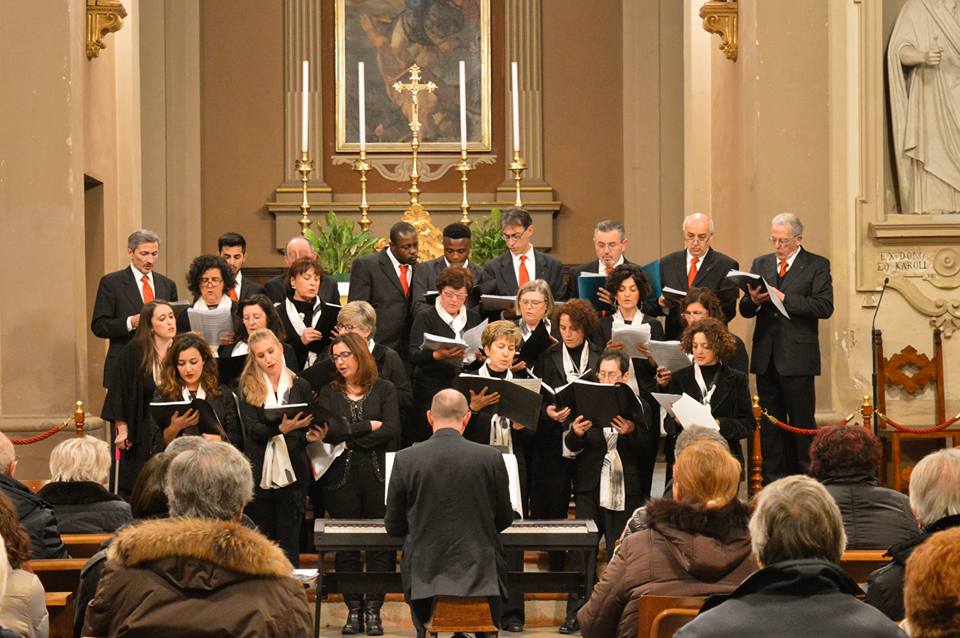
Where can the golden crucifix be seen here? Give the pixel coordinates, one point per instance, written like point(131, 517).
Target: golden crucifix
point(415, 87)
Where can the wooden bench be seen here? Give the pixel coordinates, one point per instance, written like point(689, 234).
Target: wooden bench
point(84, 545)
point(60, 609)
point(58, 574)
point(860, 563)
point(458, 614)
point(662, 616)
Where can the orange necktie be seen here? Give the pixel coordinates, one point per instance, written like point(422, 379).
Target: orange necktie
point(524, 275)
point(693, 271)
point(147, 290)
point(232, 293)
point(608, 270)
point(403, 279)
point(783, 268)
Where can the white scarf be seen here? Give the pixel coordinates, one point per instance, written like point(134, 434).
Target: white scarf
point(612, 488)
point(706, 393)
point(201, 393)
point(240, 349)
point(637, 320)
point(500, 427)
point(200, 304)
point(526, 331)
point(370, 344)
point(457, 323)
point(574, 372)
point(296, 320)
point(277, 468)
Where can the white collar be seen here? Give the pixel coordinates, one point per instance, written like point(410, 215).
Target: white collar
point(526, 331)
point(371, 344)
point(528, 255)
point(458, 323)
point(790, 259)
point(201, 393)
point(602, 267)
point(200, 304)
point(636, 321)
point(139, 275)
point(690, 258)
point(276, 399)
point(238, 277)
point(465, 264)
point(240, 349)
point(484, 371)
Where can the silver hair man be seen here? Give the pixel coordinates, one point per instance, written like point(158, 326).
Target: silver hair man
point(214, 481)
point(184, 444)
point(142, 236)
point(788, 219)
point(935, 486)
point(701, 217)
point(796, 518)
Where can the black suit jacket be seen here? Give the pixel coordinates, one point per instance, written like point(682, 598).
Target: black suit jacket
point(463, 485)
point(645, 373)
point(792, 344)
point(550, 370)
point(118, 297)
point(425, 278)
point(499, 278)
point(249, 288)
point(374, 280)
point(427, 371)
point(590, 267)
point(328, 290)
point(711, 273)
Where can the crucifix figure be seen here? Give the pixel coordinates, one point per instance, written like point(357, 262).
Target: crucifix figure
point(415, 87)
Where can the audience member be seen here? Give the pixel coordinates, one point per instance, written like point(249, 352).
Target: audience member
point(935, 500)
point(35, 514)
point(4, 570)
point(846, 459)
point(798, 538)
point(79, 470)
point(202, 571)
point(22, 606)
point(932, 590)
point(694, 544)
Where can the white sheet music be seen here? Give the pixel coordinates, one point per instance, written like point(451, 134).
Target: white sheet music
point(472, 337)
point(435, 342)
point(211, 324)
point(775, 300)
point(666, 401)
point(688, 411)
point(669, 355)
point(631, 335)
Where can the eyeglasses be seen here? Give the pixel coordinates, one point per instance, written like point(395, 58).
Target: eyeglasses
point(611, 376)
point(512, 237)
point(531, 303)
point(343, 356)
point(776, 241)
point(345, 327)
point(210, 281)
point(449, 294)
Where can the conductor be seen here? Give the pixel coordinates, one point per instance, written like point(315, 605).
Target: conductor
point(464, 485)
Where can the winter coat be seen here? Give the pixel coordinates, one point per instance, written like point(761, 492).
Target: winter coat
point(37, 518)
point(679, 550)
point(85, 507)
point(23, 609)
point(202, 578)
point(874, 517)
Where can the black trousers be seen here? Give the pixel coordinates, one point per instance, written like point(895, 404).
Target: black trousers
point(792, 399)
point(278, 514)
point(421, 610)
point(359, 495)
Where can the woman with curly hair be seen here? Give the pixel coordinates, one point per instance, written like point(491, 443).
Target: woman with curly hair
point(209, 278)
point(846, 459)
point(189, 372)
point(713, 382)
point(22, 606)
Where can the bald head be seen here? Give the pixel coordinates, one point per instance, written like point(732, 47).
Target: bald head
point(297, 247)
point(697, 233)
point(8, 456)
point(449, 410)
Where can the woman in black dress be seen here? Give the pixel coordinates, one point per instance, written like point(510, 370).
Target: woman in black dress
point(434, 370)
point(277, 507)
point(208, 279)
point(132, 387)
point(301, 310)
point(256, 312)
point(354, 485)
point(189, 372)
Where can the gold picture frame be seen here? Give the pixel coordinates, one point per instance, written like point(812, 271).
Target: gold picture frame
point(389, 38)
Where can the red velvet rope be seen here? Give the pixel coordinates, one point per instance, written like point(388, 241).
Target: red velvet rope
point(911, 430)
point(45, 435)
point(804, 431)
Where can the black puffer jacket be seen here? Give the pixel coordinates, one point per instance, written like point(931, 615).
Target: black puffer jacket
point(885, 586)
point(85, 507)
point(37, 518)
point(874, 517)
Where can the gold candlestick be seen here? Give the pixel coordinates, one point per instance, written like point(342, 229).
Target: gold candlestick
point(415, 87)
point(362, 166)
point(464, 167)
point(304, 167)
point(517, 166)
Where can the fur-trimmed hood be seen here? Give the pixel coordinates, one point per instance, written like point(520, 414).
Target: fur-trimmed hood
point(196, 553)
point(724, 523)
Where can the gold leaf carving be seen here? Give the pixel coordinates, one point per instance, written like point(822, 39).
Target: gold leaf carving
point(103, 17)
point(720, 17)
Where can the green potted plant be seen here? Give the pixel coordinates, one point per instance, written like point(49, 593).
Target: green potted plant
point(337, 243)
point(487, 239)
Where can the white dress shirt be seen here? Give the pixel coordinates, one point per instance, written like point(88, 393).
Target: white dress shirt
point(138, 276)
point(531, 268)
point(602, 267)
point(699, 262)
point(396, 267)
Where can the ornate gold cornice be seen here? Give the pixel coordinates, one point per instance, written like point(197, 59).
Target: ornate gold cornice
point(720, 17)
point(103, 17)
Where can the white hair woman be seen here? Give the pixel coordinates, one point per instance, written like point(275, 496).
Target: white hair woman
point(79, 468)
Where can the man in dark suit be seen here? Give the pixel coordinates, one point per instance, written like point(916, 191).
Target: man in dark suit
point(696, 266)
point(786, 352)
point(233, 248)
point(383, 280)
point(296, 248)
point(609, 242)
point(505, 273)
point(121, 295)
point(449, 498)
point(456, 252)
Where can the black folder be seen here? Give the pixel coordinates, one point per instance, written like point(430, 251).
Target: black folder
point(319, 374)
point(538, 343)
point(338, 428)
point(230, 368)
point(209, 423)
point(600, 403)
point(517, 403)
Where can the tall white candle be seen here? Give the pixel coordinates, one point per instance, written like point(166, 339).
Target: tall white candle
point(463, 105)
point(362, 100)
point(516, 107)
point(305, 108)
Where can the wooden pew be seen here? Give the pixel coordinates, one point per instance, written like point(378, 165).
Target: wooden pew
point(859, 563)
point(58, 574)
point(83, 545)
point(60, 608)
point(664, 615)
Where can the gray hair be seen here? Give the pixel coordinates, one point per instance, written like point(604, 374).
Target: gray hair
point(448, 405)
point(213, 481)
point(142, 236)
point(697, 216)
point(695, 433)
point(185, 444)
point(7, 453)
point(788, 219)
point(359, 312)
point(81, 458)
point(935, 486)
point(610, 224)
point(796, 518)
